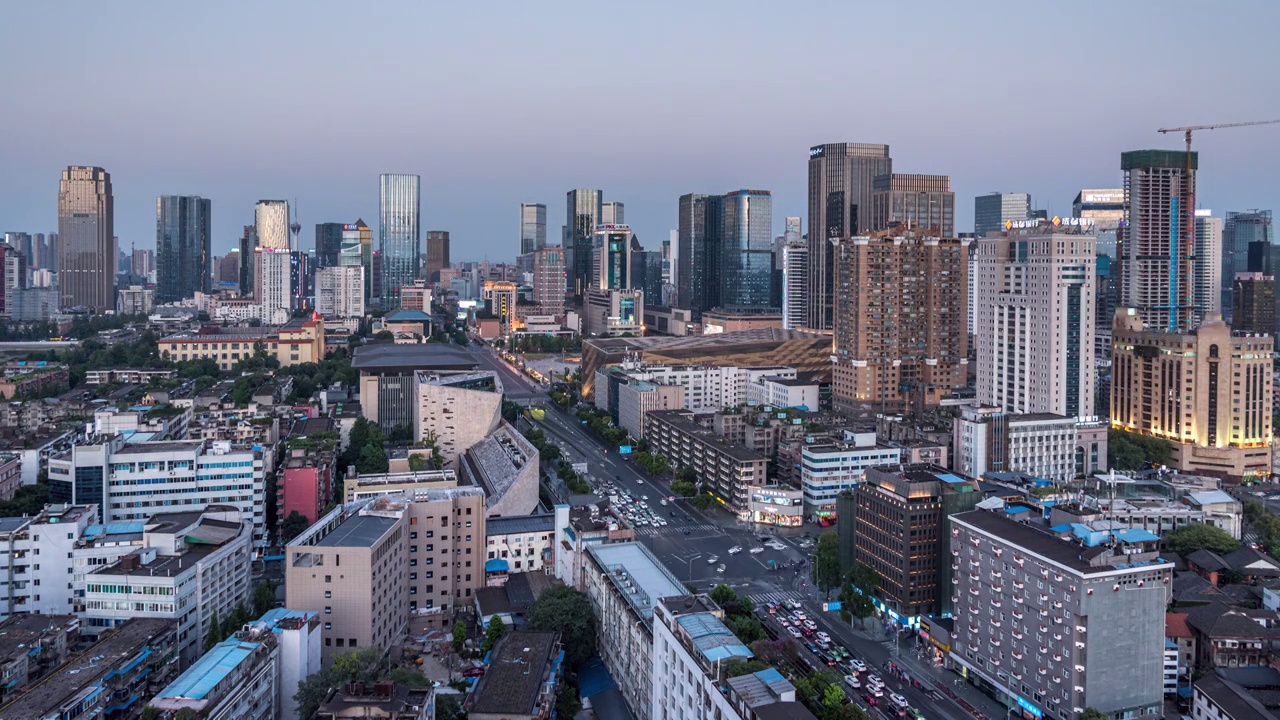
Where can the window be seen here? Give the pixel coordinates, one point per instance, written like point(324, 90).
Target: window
point(328, 578)
point(352, 642)
point(341, 641)
point(328, 610)
point(328, 594)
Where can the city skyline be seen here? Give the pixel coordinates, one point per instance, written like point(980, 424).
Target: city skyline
point(1048, 149)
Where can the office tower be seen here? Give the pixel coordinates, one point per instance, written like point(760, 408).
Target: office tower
point(248, 243)
point(183, 247)
point(1104, 206)
point(55, 252)
point(583, 210)
point(229, 269)
point(1157, 243)
point(302, 280)
point(14, 266)
point(399, 234)
point(899, 312)
point(841, 176)
point(1034, 320)
point(271, 224)
point(745, 241)
point(357, 243)
point(273, 270)
point(1254, 294)
point(533, 227)
point(611, 257)
point(646, 273)
point(500, 300)
point(691, 259)
point(612, 213)
point(913, 201)
point(1065, 622)
point(1259, 257)
point(992, 211)
point(548, 280)
point(86, 233)
point(23, 243)
point(437, 254)
point(795, 284)
point(1206, 391)
point(328, 243)
point(41, 249)
point(1239, 232)
point(1209, 288)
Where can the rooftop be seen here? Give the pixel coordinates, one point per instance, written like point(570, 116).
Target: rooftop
point(358, 531)
point(423, 356)
point(163, 446)
point(19, 631)
point(712, 639)
point(1232, 698)
point(1048, 546)
point(636, 575)
point(678, 420)
point(543, 523)
point(495, 462)
point(515, 673)
point(211, 669)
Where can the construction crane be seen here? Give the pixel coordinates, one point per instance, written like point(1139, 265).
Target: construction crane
point(1187, 130)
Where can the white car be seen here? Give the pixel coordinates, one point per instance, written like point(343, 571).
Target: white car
point(794, 632)
point(852, 681)
point(857, 665)
point(875, 681)
point(811, 624)
point(793, 604)
point(720, 568)
point(822, 636)
point(898, 700)
point(757, 550)
point(735, 550)
point(713, 559)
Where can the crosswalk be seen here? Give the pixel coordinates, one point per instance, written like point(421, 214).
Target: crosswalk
point(770, 598)
point(673, 530)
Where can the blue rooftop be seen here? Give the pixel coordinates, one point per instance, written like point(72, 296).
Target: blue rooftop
point(1064, 527)
point(712, 638)
point(407, 316)
point(275, 615)
point(949, 478)
point(770, 675)
point(1135, 535)
point(1014, 510)
point(496, 565)
point(116, 528)
point(212, 668)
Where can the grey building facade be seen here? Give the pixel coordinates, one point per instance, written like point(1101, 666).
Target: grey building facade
point(328, 243)
point(183, 247)
point(691, 254)
point(399, 218)
point(915, 201)
point(582, 213)
point(991, 211)
point(87, 241)
point(533, 227)
point(744, 236)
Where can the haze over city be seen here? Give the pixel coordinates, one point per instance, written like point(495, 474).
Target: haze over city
point(493, 106)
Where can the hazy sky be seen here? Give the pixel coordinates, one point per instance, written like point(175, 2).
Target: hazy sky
point(496, 103)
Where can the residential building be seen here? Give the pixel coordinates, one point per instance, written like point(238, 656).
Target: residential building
point(521, 544)
point(437, 254)
point(239, 678)
point(87, 246)
point(399, 233)
point(190, 567)
point(583, 211)
point(624, 583)
point(183, 247)
point(300, 340)
point(23, 379)
point(910, 200)
point(14, 266)
point(1208, 288)
point(378, 700)
point(900, 531)
point(533, 228)
point(298, 639)
point(109, 679)
point(271, 224)
point(273, 284)
point(35, 645)
point(705, 387)
point(1176, 387)
point(10, 475)
point(795, 284)
point(1254, 303)
point(305, 483)
point(613, 312)
point(127, 376)
point(725, 470)
point(135, 300)
point(505, 464)
point(1078, 622)
point(830, 468)
point(841, 178)
point(1158, 225)
point(340, 292)
point(1217, 698)
point(782, 392)
point(900, 337)
point(691, 647)
point(637, 399)
point(521, 678)
point(1034, 319)
point(988, 440)
point(548, 280)
point(993, 210)
point(456, 411)
point(580, 527)
point(51, 536)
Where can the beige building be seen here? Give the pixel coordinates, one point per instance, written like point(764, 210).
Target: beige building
point(457, 411)
point(725, 470)
point(365, 487)
point(1209, 392)
point(294, 343)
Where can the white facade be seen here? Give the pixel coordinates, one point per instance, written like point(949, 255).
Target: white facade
point(340, 291)
point(271, 224)
point(1208, 282)
point(298, 637)
point(782, 393)
point(636, 400)
point(795, 284)
point(272, 275)
point(237, 679)
point(705, 387)
point(613, 312)
point(688, 688)
point(37, 560)
point(528, 543)
point(829, 469)
point(1034, 322)
point(1044, 446)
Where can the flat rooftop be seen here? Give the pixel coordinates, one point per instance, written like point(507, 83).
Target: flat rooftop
point(210, 669)
point(162, 446)
point(423, 356)
point(543, 523)
point(513, 680)
point(677, 419)
point(358, 531)
point(631, 562)
point(1044, 544)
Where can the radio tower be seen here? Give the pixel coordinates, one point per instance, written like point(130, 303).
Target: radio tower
point(294, 227)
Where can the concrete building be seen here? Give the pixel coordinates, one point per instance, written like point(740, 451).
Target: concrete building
point(455, 410)
point(87, 245)
point(10, 474)
point(1253, 298)
point(774, 505)
point(34, 646)
point(900, 531)
point(295, 342)
point(500, 297)
point(548, 280)
point(135, 300)
point(691, 647)
point(783, 392)
point(1208, 268)
point(521, 679)
point(43, 586)
point(183, 247)
point(910, 200)
point(1183, 388)
point(298, 639)
point(388, 375)
point(624, 583)
point(638, 398)
point(521, 544)
point(582, 527)
point(305, 483)
point(378, 700)
point(583, 210)
point(993, 210)
point(239, 678)
point(506, 466)
point(190, 567)
point(830, 468)
point(900, 320)
point(1158, 225)
point(364, 487)
point(725, 470)
point(795, 284)
point(705, 387)
point(613, 312)
point(272, 284)
point(340, 291)
point(1075, 624)
point(1043, 445)
point(1214, 697)
point(437, 254)
point(1034, 319)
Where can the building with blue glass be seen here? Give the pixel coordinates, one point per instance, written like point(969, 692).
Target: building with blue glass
point(399, 224)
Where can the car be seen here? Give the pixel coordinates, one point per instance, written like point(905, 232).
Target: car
point(824, 637)
point(811, 624)
point(811, 648)
point(644, 497)
point(874, 679)
point(830, 661)
point(824, 645)
point(806, 631)
point(773, 609)
point(794, 633)
point(663, 502)
point(720, 568)
point(473, 672)
point(735, 550)
point(757, 550)
point(800, 614)
point(858, 665)
point(852, 681)
point(898, 701)
point(713, 559)
point(877, 690)
point(793, 604)
point(784, 622)
point(870, 698)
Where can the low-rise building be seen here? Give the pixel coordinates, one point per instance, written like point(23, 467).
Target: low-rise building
point(774, 505)
point(382, 700)
point(32, 378)
point(363, 487)
point(520, 680)
point(505, 464)
point(582, 527)
point(828, 469)
point(299, 341)
point(237, 679)
point(127, 376)
point(520, 545)
point(691, 646)
point(1214, 697)
point(305, 484)
point(637, 399)
point(724, 469)
point(38, 557)
point(34, 645)
point(783, 392)
point(611, 312)
point(989, 440)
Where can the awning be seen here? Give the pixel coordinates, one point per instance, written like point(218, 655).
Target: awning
point(496, 565)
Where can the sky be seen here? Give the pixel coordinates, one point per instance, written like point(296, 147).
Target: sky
point(496, 103)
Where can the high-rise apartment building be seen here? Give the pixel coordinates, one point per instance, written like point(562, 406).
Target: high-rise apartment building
point(1058, 622)
point(1209, 289)
point(1254, 294)
point(437, 254)
point(583, 210)
point(142, 262)
point(400, 206)
point(744, 237)
point(912, 201)
point(87, 241)
point(612, 213)
point(646, 273)
point(272, 284)
point(1034, 319)
point(841, 177)
point(1207, 392)
point(1240, 230)
point(793, 260)
point(183, 247)
point(533, 227)
point(692, 263)
point(548, 280)
point(900, 316)
point(1104, 206)
point(14, 266)
point(328, 243)
point(993, 210)
point(1157, 244)
point(340, 291)
point(228, 271)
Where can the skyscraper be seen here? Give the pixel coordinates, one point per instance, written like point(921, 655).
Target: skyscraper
point(400, 203)
point(841, 176)
point(1034, 320)
point(272, 287)
point(548, 280)
point(646, 273)
point(229, 269)
point(911, 201)
point(691, 260)
point(533, 227)
point(183, 247)
point(13, 265)
point(22, 242)
point(328, 243)
point(1238, 232)
point(612, 213)
point(1157, 244)
point(271, 224)
point(1255, 303)
point(357, 242)
point(795, 283)
point(611, 257)
point(582, 213)
point(1208, 265)
point(991, 211)
point(437, 253)
point(86, 233)
point(745, 240)
point(248, 244)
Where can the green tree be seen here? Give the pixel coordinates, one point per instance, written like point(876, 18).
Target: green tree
point(459, 636)
point(739, 666)
point(364, 665)
point(859, 587)
point(723, 595)
point(833, 696)
point(1196, 536)
point(213, 635)
point(408, 677)
point(28, 500)
point(149, 712)
point(493, 633)
point(826, 563)
point(264, 597)
point(1091, 713)
point(684, 489)
point(686, 474)
point(567, 611)
point(372, 460)
point(702, 502)
point(1133, 451)
point(449, 707)
point(568, 705)
point(417, 463)
point(185, 714)
point(293, 526)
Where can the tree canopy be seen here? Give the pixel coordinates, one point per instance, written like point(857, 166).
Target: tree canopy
point(1196, 536)
point(567, 611)
point(1132, 451)
point(826, 562)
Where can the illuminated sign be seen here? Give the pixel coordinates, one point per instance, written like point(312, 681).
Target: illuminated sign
point(1029, 707)
point(816, 151)
point(1111, 198)
point(1056, 222)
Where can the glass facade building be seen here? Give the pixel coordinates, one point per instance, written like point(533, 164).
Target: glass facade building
point(328, 243)
point(399, 211)
point(533, 227)
point(86, 233)
point(991, 211)
point(745, 242)
point(183, 247)
point(582, 213)
point(691, 251)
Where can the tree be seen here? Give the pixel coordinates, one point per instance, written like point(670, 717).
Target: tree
point(493, 633)
point(372, 460)
point(833, 696)
point(28, 500)
point(364, 665)
point(1132, 451)
point(459, 636)
point(293, 526)
point(408, 677)
point(723, 595)
point(417, 463)
point(448, 707)
point(565, 610)
point(149, 712)
point(185, 714)
point(702, 502)
point(686, 474)
point(1091, 713)
point(826, 563)
point(739, 666)
point(212, 636)
point(1196, 536)
point(264, 597)
point(684, 489)
point(568, 705)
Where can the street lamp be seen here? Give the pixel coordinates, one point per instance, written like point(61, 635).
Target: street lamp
point(691, 559)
